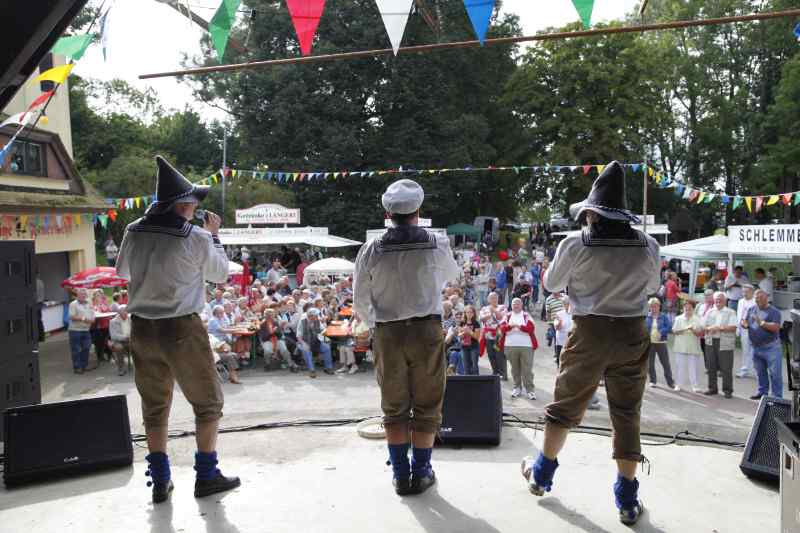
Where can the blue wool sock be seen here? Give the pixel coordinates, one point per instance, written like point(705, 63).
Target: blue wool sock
point(421, 462)
point(626, 492)
point(205, 464)
point(398, 458)
point(158, 468)
point(543, 471)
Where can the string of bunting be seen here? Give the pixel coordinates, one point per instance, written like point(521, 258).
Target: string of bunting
point(46, 224)
point(693, 195)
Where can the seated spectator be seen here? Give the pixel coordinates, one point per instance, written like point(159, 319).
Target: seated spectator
point(219, 299)
point(271, 336)
point(246, 315)
point(309, 331)
point(222, 352)
point(219, 326)
point(358, 337)
point(283, 287)
point(120, 331)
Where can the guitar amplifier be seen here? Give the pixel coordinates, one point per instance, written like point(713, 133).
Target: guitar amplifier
point(473, 411)
point(66, 438)
point(762, 453)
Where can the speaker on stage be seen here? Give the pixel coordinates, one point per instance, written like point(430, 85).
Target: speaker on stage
point(762, 454)
point(473, 411)
point(66, 438)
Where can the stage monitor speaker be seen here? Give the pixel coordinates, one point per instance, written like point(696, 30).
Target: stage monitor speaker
point(762, 454)
point(66, 438)
point(473, 411)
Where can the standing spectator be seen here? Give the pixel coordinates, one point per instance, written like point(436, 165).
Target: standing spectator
point(453, 346)
point(100, 327)
point(720, 327)
point(518, 342)
point(733, 286)
point(501, 281)
point(702, 312)
point(309, 330)
point(510, 281)
point(491, 317)
point(765, 283)
point(120, 331)
point(716, 283)
point(562, 323)
point(687, 329)
point(536, 275)
point(470, 334)
point(745, 304)
point(275, 273)
point(81, 318)
point(545, 292)
point(671, 292)
point(111, 251)
point(552, 306)
point(764, 324)
point(659, 326)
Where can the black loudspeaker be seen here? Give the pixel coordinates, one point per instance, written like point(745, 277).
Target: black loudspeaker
point(762, 454)
point(66, 438)
point(473, 411)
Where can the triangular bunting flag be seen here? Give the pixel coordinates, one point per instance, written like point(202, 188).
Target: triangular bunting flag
point(748, 201)
point(103, 220)
point(687, 193)
point(394, 14)
point(73, 46)
point(650, 171)
point(710, 197)
point(305, 17)
point(693, 195)
point(797, 198)
point(701, 197)
point(584, 9)
point(600, 168)
point(759, 203)
point(679, 190)
point(56, 74)
point(774, 199)
point(635, 167)
point(737, 201)
point(571, 169)
point(137, 202)
point(787, 198)
point(480, 14)
point(586, 169)
point(220, 25)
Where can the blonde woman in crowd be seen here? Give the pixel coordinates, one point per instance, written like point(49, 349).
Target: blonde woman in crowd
point(687, 328)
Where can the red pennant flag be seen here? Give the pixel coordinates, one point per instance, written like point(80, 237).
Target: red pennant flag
point(787, 198)
point(122, 204)
point(586, 169)
point(112, 214)
point(41, 99)
point(305, 17)
point(693, 196)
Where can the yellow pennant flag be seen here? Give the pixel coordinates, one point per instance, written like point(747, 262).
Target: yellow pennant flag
point(600, 168)
point(78, 220)
point(748, 200)
point(234, 173)
point(137, 201)
point(56, 74)
point(701, 197)
point(773, 199)
point(650, 171)
point(23, 220)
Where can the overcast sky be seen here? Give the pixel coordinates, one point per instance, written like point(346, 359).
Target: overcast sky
point(147, 37)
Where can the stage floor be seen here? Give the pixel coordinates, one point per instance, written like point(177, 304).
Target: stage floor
point(330, 479)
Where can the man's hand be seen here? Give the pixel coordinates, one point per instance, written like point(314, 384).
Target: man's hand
point(212, 223)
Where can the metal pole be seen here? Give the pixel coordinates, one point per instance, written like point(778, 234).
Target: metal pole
point(476, 44)
point(224, 169)
point(644, 201)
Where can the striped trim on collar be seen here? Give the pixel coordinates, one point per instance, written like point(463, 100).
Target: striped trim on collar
point(181, 232)
point(639, 242)
point(429, 244)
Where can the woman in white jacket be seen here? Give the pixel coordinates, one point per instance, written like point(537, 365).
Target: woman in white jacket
point(688, 328)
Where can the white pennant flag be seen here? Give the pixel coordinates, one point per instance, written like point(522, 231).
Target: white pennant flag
point(395, 17)
point(19, 118)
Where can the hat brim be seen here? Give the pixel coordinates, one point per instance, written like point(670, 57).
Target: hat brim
point(198, 194)
point(576, 210)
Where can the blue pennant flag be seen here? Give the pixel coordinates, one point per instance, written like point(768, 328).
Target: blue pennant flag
point(635, 167)
point(797, 31)
point(269, 175)
point(725, 199)
point(480, 14)
point(679, 190)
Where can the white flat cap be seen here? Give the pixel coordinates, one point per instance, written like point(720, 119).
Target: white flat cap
point(403, 197)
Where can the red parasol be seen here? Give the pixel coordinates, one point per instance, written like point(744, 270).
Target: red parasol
point(95, 278)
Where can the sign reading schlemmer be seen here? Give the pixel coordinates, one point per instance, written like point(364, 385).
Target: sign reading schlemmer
point(775, 239)
point(268, 214)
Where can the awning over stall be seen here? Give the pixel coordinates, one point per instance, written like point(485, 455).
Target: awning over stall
point(318, 237)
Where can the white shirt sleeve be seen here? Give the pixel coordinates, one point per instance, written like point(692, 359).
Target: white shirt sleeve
point(123, 265)
point(362, 287)
point(215, 262)
point(556, 277)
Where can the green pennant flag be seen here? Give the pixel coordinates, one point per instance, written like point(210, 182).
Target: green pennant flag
point(737, 201)
point(584, 9)
point(797, 198)
point(73, 46)
point(221, 24)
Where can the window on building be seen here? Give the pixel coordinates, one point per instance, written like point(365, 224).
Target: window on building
point(27, 158)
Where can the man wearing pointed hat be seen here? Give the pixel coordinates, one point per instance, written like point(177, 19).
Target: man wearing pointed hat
point(609, 269)
point(397, 288)
point(168, 260)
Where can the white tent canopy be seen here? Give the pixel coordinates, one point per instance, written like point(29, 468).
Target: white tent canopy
point(235, 268)
point(278, 236)
point(333, 266)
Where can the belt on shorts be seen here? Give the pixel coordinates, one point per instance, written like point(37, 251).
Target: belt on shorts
point(410, 320)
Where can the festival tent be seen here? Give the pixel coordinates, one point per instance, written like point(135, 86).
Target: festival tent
point(333, 266)
point(318, 237)
point(466, 230)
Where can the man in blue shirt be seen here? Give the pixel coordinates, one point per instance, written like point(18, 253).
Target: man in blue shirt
point(536, 274)
point(500, 279)
point(763, 323)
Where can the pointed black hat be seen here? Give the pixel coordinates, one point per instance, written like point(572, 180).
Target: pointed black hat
point(607, 197)
point(172, 187)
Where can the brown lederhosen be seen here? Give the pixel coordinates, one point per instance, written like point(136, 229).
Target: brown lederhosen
point(169, 350)
point(410, 368)
point(614, 349)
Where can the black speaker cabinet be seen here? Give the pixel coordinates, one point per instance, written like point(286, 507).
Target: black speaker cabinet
point(19, 383)
point(66, 438)
point(473, 411)
point(762, 454)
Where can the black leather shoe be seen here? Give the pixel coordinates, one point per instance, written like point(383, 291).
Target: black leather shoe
point(420, 484)
point(402, 487)
point(728, 395)
point(220, 483)
point(630, 516)
point(710, 393)
point(756, 397)
point(161, 491)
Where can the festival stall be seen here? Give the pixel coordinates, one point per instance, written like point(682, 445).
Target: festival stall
point(332, 266)
point(255, 237)
point(766, 244)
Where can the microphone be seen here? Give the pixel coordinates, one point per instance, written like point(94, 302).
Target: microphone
point(201, 215)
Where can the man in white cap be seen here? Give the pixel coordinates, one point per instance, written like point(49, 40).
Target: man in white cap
point(168, 260)
point(397, 286)
point(610, 269)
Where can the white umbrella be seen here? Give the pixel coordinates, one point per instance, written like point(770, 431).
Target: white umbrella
point(235, 268)
point(333, 266)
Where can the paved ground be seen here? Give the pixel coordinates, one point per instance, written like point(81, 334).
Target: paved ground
point(332, 480)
